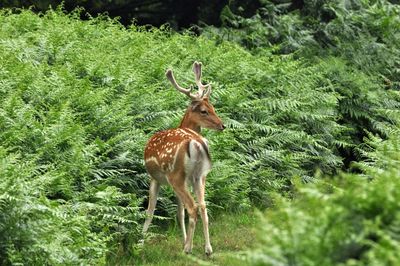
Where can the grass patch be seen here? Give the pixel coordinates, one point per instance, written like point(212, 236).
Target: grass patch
point(228, 232)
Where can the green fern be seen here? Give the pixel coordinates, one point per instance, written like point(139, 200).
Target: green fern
point(79, 100)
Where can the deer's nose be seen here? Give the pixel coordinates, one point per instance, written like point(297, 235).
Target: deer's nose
point(222, 127)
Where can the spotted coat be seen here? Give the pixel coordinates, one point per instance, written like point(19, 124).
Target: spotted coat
point(180, 146)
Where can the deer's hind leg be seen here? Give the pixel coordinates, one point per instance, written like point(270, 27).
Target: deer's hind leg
point(177, 181)
point(181, 218)
point(153, 193)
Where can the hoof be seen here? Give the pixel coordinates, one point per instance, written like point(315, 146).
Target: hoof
point(187, 251)
point(209, 251)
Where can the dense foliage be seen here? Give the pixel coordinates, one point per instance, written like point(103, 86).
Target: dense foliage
point(79, 99)
point(353, 220)
point(365, 33)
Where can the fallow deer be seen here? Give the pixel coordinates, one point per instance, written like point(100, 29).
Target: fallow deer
point(180, 157)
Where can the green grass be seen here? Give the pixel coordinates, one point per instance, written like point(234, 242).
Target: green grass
point(229, 233)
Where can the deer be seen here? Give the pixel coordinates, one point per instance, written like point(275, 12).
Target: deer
point(180, 157)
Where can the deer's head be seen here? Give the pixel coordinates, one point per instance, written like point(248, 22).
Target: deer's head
point(201, 112)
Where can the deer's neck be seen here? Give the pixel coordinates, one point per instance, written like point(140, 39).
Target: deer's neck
point(187, 122)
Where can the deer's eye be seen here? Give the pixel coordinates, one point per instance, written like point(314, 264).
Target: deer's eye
point(204, 112)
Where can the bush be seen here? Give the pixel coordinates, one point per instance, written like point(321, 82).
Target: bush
point(38, 230)
point(364, 33)
point(351, 221)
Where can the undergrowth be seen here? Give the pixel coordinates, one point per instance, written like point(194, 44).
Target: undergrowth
point(79, 99)
point(363, 32)
point(351, 220)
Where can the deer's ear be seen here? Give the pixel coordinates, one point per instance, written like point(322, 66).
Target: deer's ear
point(195, 105)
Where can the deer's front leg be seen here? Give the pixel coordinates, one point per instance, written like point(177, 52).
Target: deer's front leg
point(199, 188)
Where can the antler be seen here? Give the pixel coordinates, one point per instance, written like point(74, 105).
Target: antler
point(197, 76)
point(171, 78)
point(204, 90)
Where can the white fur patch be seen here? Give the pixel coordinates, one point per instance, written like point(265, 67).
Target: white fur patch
point(198, 164)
